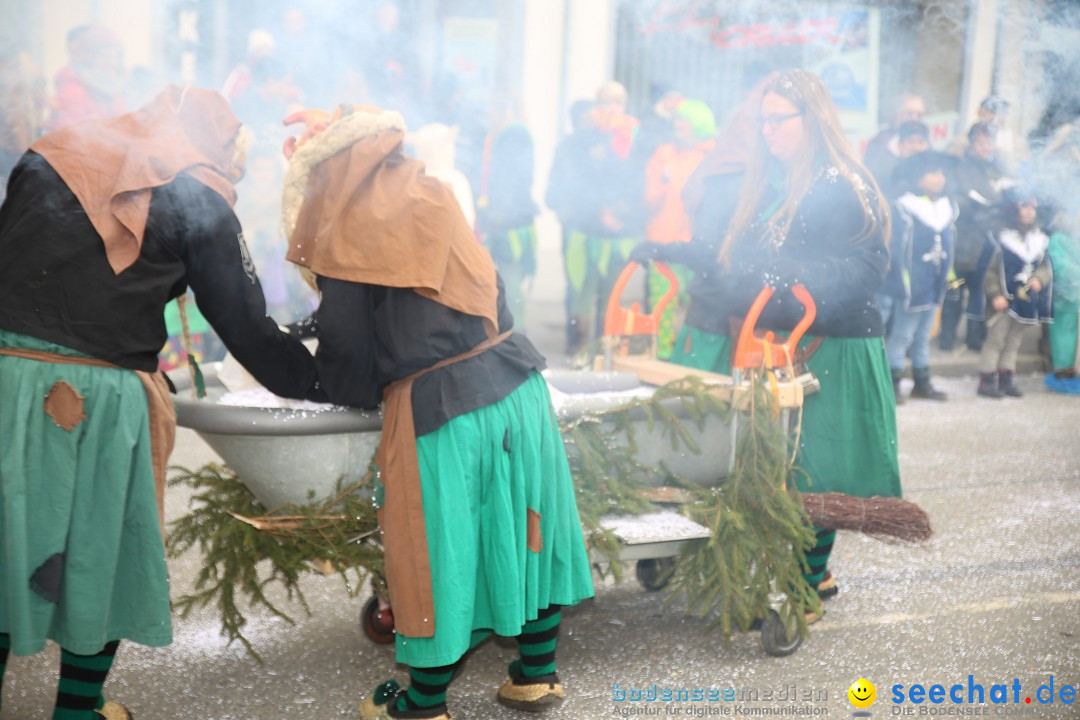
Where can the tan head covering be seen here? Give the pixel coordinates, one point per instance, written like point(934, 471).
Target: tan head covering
point(113, 165)
point(356, 208)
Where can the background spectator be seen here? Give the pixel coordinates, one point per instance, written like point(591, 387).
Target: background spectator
point(91, 85)
point(22, 103)
point(980, 181)
point(883, 150)
point(666, 176)
point(259, 88)
point(1018, 289)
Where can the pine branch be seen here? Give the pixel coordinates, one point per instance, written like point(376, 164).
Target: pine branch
point(290, 539)
point(759, 531)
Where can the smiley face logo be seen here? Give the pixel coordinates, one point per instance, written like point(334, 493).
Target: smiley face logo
point(862, 693)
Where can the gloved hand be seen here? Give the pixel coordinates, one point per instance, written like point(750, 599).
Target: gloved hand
point(646, 252)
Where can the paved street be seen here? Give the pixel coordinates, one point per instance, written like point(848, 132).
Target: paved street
point(995, 595)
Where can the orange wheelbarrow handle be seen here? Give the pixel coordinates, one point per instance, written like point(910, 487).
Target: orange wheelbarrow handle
point(754, 351)
point(631, 321)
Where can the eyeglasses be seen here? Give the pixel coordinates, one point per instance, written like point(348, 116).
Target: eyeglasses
point(774, 121)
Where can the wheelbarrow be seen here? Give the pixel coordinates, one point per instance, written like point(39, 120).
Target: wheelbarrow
point(286, 455)
point(654, 541)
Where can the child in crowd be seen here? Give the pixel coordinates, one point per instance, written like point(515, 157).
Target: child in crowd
point(1018, 287)
point(923, 237)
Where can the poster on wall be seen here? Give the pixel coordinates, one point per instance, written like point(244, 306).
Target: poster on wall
point(841, 43)
point(846, 57)
point(469, 50)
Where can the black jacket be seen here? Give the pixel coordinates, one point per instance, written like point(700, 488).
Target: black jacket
point(978, 185)
point(56, 283)
point(370, 335)
point(588, 179)
point(818, 252)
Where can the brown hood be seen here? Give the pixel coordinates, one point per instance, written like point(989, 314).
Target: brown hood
point(113, 165)
point(369, 214)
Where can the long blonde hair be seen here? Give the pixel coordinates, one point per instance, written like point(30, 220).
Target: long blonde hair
point(826, 147)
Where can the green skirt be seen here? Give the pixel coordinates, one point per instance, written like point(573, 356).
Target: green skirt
point(480, 474)
point(1063, 334)
point(87, 493)
point(848, 440)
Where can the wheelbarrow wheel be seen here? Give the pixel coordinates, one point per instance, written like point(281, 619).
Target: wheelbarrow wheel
point(778, 638)
point(377, 624)
point(654, 573)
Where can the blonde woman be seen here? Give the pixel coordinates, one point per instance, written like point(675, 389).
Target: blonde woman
point(809, 212)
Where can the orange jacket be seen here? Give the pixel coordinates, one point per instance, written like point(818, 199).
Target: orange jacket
point(665, 177)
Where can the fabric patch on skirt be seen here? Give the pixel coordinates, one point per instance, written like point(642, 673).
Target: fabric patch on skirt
point(48, 580)
point(533, 539)
point(65, 406)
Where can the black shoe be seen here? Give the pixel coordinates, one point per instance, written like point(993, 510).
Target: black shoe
point(988, 386)
point(827, 587)
point(1005, 384)
point(928, 392)
point(923, 387)
point(380, 705)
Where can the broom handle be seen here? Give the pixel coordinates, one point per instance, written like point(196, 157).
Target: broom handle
point(185, 342)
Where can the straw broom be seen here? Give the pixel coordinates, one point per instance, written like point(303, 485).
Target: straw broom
point(885, 518)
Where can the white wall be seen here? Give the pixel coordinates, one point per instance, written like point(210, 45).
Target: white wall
point(541, 80)
point(590, 47)
point(979, 64)
point(569, 49)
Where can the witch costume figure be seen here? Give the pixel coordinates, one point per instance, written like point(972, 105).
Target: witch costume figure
point(480, 527)
point(104, 223)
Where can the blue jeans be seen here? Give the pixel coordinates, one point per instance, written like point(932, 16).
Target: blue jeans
point(911, 331)
point(889, 307)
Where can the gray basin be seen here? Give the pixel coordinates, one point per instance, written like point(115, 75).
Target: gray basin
point(291, 455)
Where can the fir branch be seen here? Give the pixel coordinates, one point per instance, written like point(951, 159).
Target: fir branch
point(759, 531)
point(234, 549)
point(602, 449)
